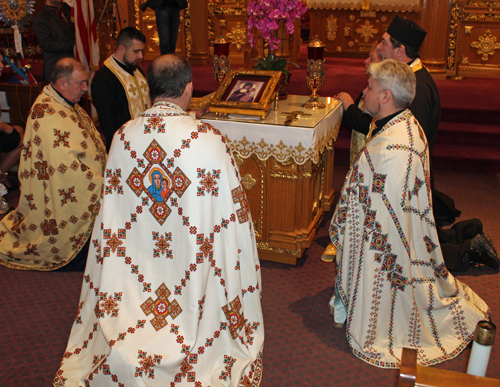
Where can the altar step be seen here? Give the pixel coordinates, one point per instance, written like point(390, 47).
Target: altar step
point(460, 145)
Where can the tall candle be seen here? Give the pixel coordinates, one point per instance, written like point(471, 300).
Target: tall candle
point(481, 348)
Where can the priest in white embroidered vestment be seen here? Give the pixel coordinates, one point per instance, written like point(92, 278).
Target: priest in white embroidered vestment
point(171, 292)
point(392, 287)
point(61, 171)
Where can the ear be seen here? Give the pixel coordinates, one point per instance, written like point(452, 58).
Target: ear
point(120, 49)
point(401, 50)
point(188, 90)
point(385, 97)
point(62, 84)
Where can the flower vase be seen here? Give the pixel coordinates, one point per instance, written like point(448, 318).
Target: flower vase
point(283, 84)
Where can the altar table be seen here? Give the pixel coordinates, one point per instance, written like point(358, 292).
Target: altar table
point(287, 172)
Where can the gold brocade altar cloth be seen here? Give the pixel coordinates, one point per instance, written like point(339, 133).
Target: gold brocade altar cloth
point(287, 171)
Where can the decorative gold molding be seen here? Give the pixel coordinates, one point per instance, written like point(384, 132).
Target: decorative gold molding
point(468, 29)
point(237, 158)
point(288, 163)
point(367, 31)
point(137, 15)
point(238, 36)
point(265, 247)
point(390, 6)
point(486, 45)
point(331, 28)
point(248, 182)
point(229, 10)
point(284, 175)
point(454, 33)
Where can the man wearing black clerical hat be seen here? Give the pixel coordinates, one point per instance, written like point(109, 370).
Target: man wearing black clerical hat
point(402, 42)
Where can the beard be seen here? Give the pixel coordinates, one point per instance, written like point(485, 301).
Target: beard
point(372, 111)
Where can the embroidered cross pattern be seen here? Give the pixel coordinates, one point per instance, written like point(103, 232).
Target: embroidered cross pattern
point(113, 242)
point(67, 196)
point(49, 227)
point(206, 247)
point(162, 245)
point(208, 182)
point(113, 180)
point(161, 307)
point(147, 364)
point(107, 305)
point(41, 166)
point(233, 316)
point(154, 123)
point(61, 138)
point(378, 185)
point(240, 197)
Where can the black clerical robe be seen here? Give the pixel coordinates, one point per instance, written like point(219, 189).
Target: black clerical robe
point(56, 36)
point(110, 101)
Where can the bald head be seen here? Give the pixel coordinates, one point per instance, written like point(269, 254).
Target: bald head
point(69, 77)
point(168, 78)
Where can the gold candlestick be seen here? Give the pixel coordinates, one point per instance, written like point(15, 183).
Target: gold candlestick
point(315, 72)
point(222, 60)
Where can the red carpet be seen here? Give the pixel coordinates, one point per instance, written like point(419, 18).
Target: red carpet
point(301, 347)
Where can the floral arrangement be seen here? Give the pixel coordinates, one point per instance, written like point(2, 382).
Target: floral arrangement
point(266, 16)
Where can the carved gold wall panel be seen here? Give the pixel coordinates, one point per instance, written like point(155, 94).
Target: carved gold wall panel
point(473, 48)
point(228, 18)
point(360, 29)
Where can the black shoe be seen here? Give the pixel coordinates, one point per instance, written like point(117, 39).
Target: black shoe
point(483, 243)
point(481, 252)
point(486, 239)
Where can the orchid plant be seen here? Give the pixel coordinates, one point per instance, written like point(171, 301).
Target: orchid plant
point(266, 16)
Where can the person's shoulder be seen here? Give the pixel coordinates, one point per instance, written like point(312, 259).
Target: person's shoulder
point(103, 75)
point(41, 15)
point(423, 76)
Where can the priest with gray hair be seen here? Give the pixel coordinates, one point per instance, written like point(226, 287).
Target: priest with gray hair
point(392, 289)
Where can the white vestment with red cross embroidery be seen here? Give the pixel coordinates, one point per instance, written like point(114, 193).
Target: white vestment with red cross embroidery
point(171, 292)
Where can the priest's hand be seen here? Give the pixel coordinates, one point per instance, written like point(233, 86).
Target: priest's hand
point(346, 99)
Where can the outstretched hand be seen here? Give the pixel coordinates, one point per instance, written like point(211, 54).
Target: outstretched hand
point(346, 99)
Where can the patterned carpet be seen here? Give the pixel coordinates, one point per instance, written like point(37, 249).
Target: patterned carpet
point(301, 348)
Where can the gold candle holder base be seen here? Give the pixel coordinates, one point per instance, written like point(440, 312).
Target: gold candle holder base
point(314, 103)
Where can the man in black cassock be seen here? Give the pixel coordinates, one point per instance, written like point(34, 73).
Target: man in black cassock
point(119, 90)
point(465, 242)
point(55, 34)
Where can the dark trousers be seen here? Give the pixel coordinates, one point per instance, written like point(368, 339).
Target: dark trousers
point(167, 23)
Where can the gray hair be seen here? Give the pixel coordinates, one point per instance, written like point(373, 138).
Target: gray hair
point(398, 78)
point(64, 68)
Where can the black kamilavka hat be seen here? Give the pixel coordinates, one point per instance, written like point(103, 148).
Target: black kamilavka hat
point(407, 32)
